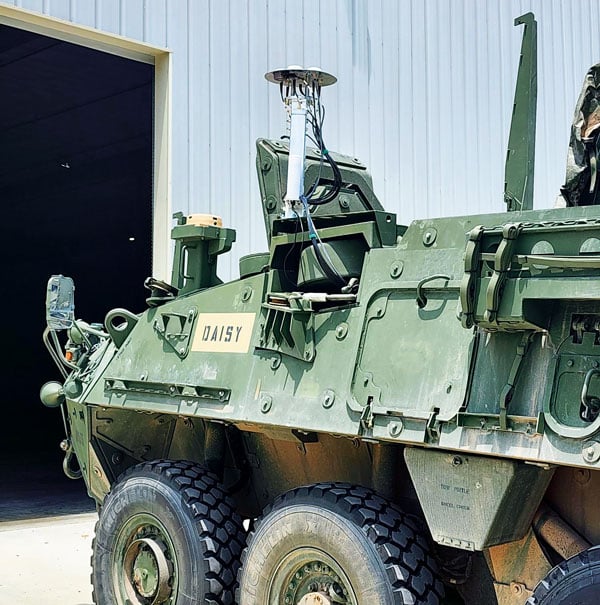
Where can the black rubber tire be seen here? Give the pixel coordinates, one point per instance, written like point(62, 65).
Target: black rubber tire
point(575, 581)
point(194, 513)
point(383, 552)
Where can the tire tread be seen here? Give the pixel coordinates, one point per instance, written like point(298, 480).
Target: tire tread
point(219, 526)
point(397, 536)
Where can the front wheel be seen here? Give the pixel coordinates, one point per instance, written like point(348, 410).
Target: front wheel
point(576, 580)
point(336, 543)
point(166, 535)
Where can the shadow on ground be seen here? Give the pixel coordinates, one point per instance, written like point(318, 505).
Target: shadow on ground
point(37, 487)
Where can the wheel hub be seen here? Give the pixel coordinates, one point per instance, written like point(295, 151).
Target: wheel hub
point(315, 598)
point(148, 570)
point(315, 583)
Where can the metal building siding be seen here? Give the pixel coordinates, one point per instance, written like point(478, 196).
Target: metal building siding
point(424, 92)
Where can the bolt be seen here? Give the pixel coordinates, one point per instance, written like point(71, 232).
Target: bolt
point(328, 399)
point(396, 269)
point(516, 588)
point(265, 403)
point(344, 202)
point(589, 453)
point(395, 428)
point(429, 236)
point(457, 461)
point(341, 331)
point(570, 363)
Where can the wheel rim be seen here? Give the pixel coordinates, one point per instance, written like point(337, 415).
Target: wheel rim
point(308, 575)
point(144, 570)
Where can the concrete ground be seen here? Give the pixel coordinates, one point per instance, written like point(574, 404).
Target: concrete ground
point(46, 531)
point(46, 560)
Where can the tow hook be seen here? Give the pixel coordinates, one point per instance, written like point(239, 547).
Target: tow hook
point(70, 464)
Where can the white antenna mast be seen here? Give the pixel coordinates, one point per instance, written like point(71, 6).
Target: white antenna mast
point(300, 88)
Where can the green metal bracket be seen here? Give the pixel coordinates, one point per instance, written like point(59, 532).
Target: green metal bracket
point(502, 264)
point(288, 327)
point(176, 329)
point(520, 156)
point(507, 391)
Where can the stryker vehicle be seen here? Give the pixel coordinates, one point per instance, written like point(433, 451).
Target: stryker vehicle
point(373, 413)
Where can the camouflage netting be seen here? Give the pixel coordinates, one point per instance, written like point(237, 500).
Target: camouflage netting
point(582, 183)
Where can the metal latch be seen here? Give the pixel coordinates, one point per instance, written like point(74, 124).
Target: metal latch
point(502, 263)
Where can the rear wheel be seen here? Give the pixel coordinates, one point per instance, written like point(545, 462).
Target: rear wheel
point(576, 580)
point(166, 534)
point(336, 543)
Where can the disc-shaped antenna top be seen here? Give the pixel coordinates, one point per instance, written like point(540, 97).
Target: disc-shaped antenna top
point(296, 72)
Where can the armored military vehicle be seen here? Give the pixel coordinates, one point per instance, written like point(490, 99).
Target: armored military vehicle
point(373, 413)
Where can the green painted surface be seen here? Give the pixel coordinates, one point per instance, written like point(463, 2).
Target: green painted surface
point(475, 335)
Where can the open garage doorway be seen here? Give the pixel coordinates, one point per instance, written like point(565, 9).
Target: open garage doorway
point(76, 197)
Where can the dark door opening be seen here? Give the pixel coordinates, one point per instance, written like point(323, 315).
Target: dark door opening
point(76, 139)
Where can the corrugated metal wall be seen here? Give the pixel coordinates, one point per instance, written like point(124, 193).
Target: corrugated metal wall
point(424, 92)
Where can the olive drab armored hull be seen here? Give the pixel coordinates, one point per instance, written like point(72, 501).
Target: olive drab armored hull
point(372, 413)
